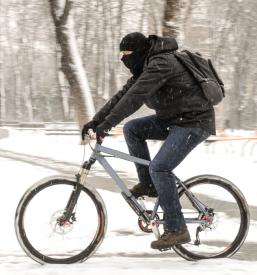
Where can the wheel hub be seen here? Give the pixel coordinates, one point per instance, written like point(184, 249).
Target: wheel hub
point(59, 224)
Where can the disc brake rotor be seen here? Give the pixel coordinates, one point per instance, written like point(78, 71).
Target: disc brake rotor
point(59, 225)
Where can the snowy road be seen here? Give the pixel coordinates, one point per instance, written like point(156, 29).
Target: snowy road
point(125, 248)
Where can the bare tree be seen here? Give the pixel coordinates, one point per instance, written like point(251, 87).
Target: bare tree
point(37, 86)
point(2, 89)
point(171, 11)
point(71, 64)
point(2, 79)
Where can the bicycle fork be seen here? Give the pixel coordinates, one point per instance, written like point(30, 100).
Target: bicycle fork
point(69, 215)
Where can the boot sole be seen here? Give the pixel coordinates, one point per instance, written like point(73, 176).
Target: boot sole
point(145, 195)
point(163, 248)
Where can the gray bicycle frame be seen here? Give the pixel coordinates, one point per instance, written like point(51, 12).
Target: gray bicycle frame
point(132, 201)
point(134, 204)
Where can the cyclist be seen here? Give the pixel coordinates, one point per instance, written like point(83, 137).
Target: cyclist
point(183, 119)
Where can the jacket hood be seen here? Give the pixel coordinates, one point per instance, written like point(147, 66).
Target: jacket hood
point(161, 44)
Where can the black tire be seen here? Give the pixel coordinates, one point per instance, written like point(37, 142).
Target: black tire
point(84, 247)
point(233, 208)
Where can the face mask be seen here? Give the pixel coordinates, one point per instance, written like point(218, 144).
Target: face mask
point(134, 62)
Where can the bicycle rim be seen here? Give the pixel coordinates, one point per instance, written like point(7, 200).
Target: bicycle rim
point(40, 233)
point(223, 235)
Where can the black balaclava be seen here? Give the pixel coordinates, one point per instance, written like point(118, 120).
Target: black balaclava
point(139, 44)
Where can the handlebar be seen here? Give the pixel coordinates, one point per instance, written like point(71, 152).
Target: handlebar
point(92, 136)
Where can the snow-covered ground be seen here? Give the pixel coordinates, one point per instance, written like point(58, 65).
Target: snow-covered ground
point(28, 156)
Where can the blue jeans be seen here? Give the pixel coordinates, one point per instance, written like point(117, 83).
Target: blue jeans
point(178, 143)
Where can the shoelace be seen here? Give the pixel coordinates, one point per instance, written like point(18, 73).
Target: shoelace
point(165, 234)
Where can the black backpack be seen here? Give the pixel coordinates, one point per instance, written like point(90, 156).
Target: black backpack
point(204, 73)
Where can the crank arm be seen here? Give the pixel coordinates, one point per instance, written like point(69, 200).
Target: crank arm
point(155, 229)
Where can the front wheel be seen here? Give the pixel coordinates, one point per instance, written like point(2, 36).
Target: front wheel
point(43, 235)
point(223, 230)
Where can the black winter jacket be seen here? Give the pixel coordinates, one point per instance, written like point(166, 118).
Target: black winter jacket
point(165, 86)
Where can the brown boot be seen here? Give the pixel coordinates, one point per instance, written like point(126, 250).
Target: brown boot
point(169, 239)
point(140, 190)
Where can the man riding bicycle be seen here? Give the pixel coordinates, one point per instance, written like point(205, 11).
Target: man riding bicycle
point(184, 118)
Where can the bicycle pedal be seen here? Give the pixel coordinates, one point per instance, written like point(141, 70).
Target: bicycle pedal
point(165, 249)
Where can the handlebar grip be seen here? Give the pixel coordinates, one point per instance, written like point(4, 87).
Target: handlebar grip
point(92, 136)
point(90, 132)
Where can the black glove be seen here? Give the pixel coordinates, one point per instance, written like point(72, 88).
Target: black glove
point(102, 130)
point(90, 125)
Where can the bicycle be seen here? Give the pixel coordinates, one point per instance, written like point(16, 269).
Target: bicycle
point(76, 220)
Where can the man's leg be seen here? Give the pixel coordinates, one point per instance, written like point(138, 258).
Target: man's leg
point(136, 132)
point(176, 147)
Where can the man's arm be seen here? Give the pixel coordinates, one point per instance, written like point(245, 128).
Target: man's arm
point(109, 105)
point(153, 77)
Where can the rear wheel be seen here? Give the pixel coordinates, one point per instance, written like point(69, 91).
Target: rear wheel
point(224, 229)
point(45, 236)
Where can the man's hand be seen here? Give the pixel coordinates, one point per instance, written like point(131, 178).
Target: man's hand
point(102, 130)
point(90, 125)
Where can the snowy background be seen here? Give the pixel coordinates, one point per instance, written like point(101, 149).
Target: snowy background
point(27, 156)
point(33, 92)
point(32, 88)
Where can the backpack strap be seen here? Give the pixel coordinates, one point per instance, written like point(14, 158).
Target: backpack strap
point(191, 56)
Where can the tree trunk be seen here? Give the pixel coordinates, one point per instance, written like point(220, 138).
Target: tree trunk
point(170, 14)
point(2, 89)
point(71, 62)
point(17, 73)
point(2, 78)
point(28, 102)
point(62, 83)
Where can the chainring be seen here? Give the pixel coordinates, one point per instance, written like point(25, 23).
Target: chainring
point(147, 228)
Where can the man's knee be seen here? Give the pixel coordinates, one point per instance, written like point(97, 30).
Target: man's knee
point(127, 128)
point(130, 128)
